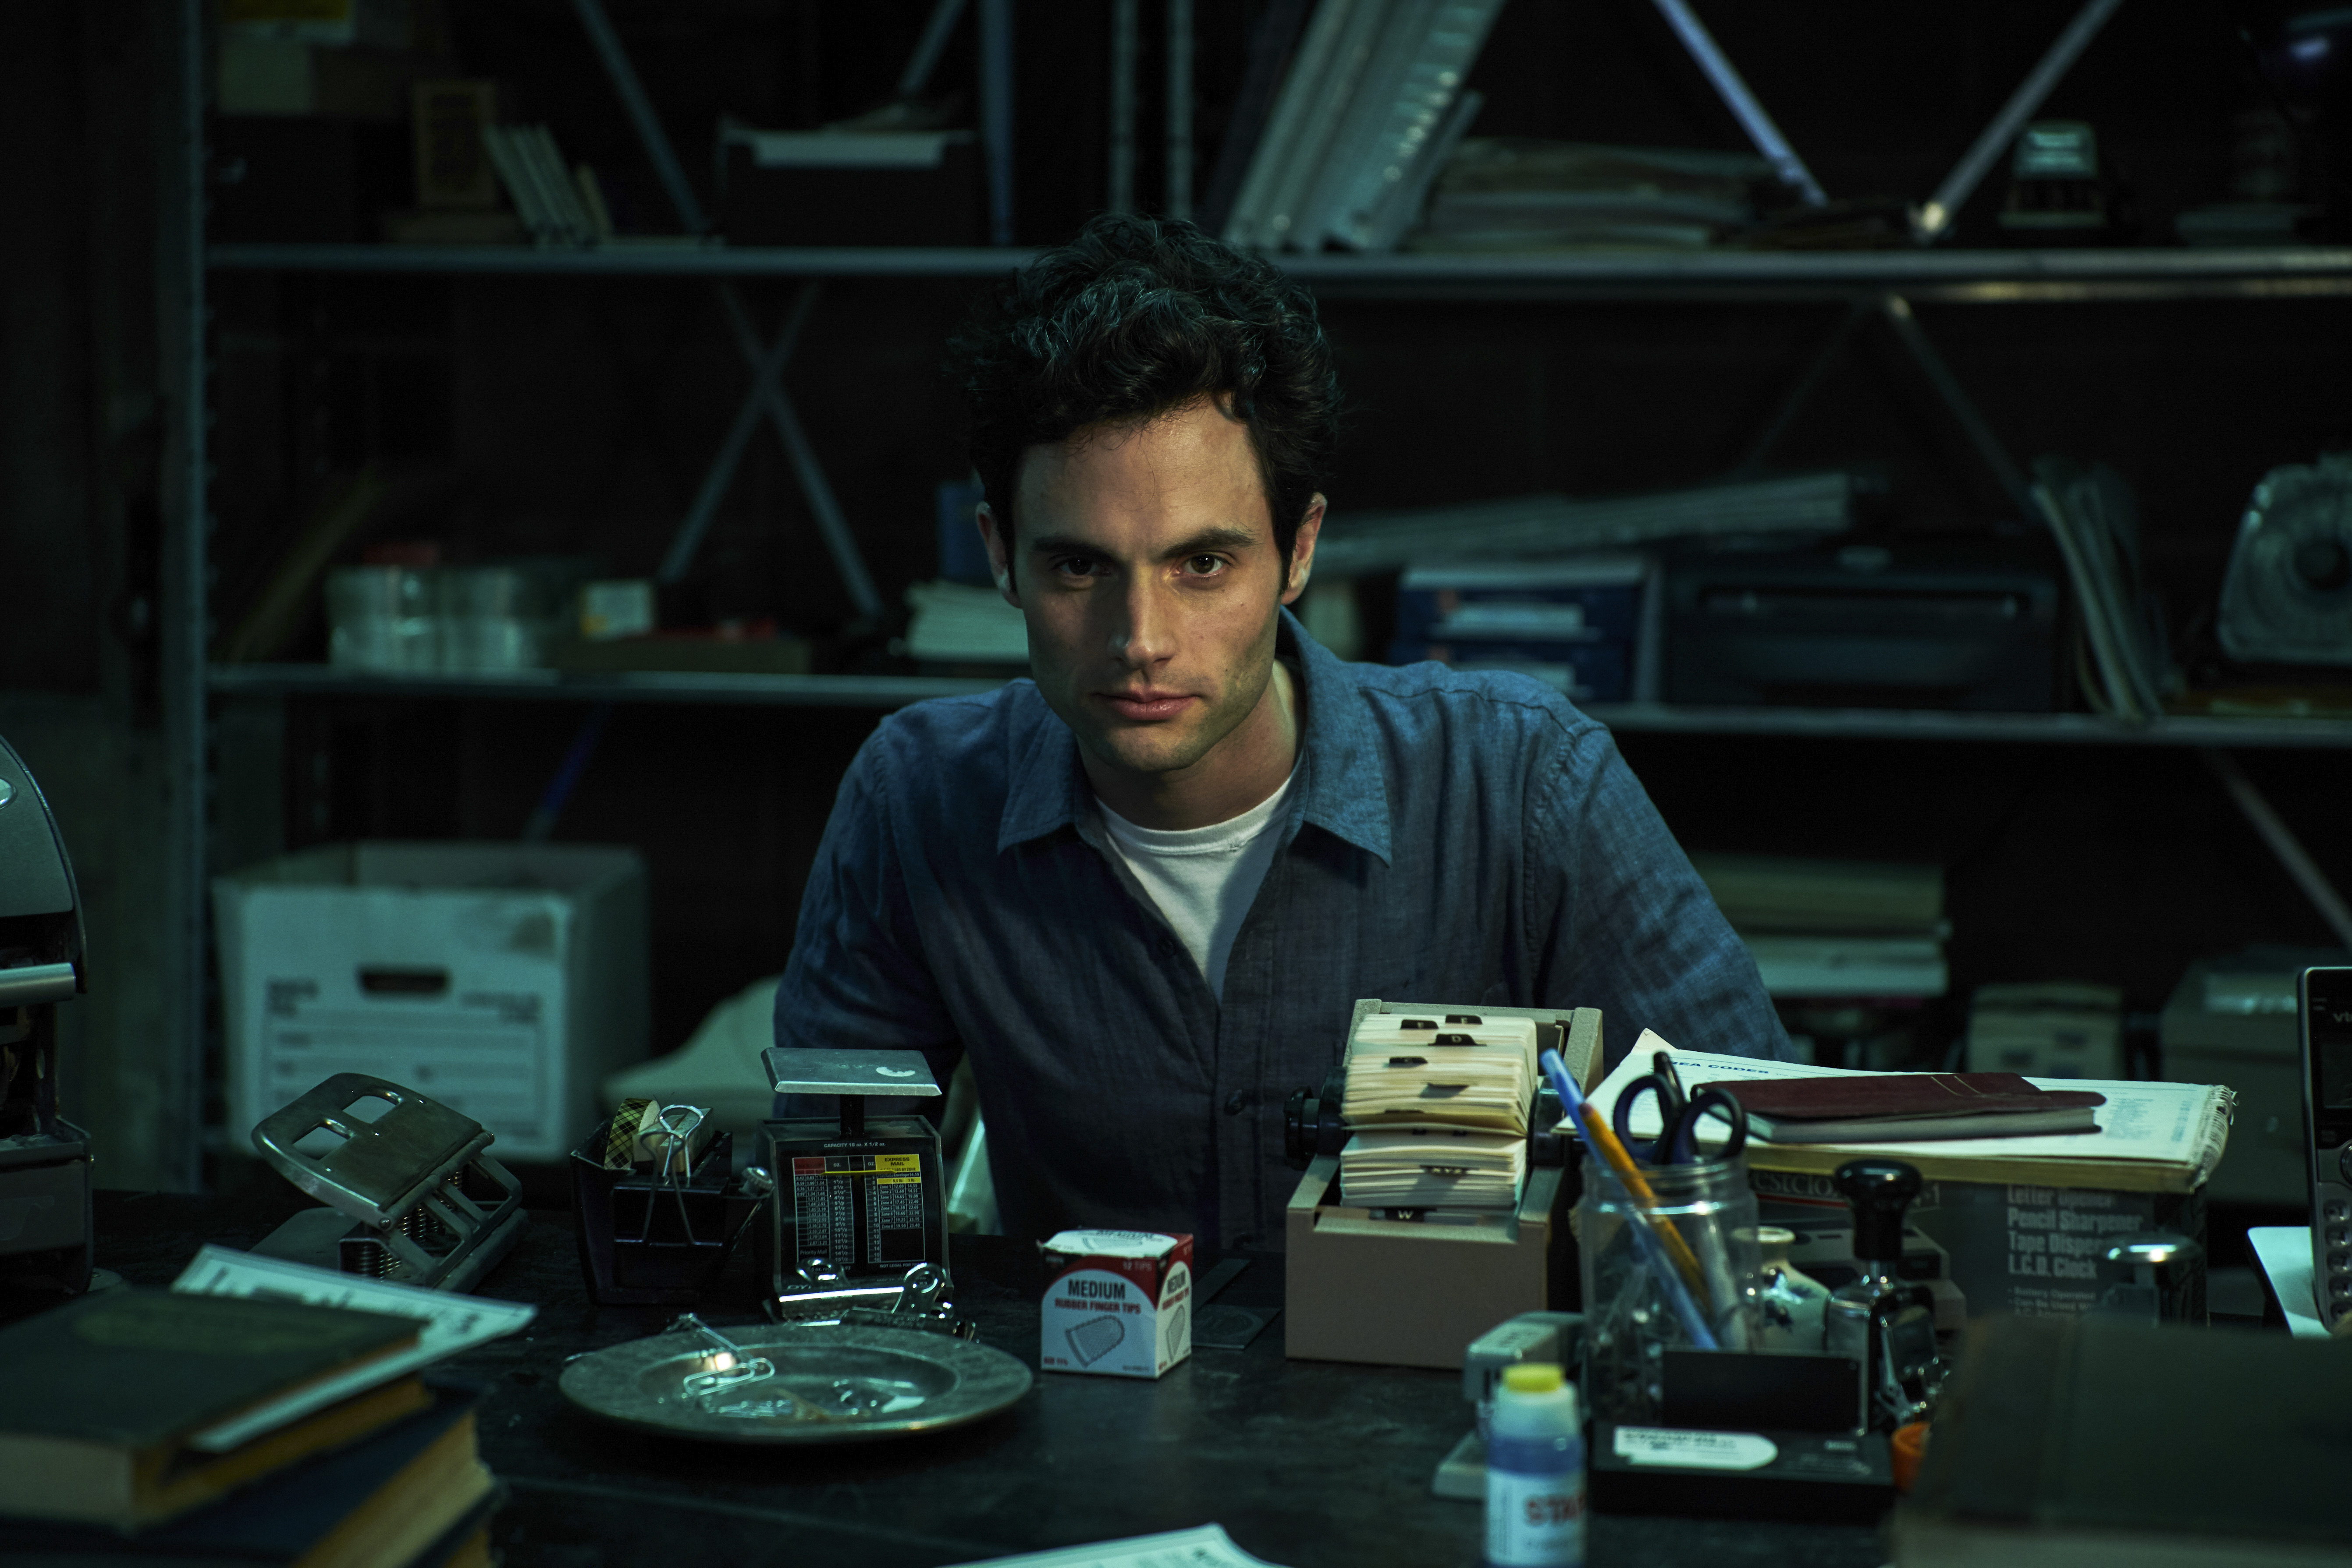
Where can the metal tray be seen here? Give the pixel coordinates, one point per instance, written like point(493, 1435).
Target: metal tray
point(832, 1383)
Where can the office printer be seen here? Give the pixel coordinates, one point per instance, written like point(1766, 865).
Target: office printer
point(1908, 624)
point(44, 1176)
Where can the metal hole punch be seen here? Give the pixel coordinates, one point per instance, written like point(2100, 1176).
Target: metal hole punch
point(411, 1195)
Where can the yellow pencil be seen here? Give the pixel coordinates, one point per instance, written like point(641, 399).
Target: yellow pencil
point(1645, 1196)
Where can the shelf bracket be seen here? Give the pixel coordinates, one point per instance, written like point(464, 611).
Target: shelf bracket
point(1934, 221)
point(1897, 310)
point(2280, 840)
point(1800, 392)
point(766, 379)
point(766, 393)
point(1745, 108)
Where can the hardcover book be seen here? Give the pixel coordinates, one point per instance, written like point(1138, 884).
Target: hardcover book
point(1909, 1105)
point(106, 1395)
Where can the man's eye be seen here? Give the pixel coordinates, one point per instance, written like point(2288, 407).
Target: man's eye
point(1075, 567)
point(1205, 565)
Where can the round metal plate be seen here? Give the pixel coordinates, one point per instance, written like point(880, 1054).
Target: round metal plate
point(833, 1384)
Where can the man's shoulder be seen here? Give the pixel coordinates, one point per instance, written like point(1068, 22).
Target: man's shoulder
point(1434, 703)
point(963, 741)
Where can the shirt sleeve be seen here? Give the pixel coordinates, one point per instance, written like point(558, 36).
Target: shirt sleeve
point(1625, 922)
point(856, 978)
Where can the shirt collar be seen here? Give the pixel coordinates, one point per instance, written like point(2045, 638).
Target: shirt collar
point(1049, 790)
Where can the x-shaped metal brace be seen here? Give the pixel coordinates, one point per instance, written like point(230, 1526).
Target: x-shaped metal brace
point(765, 361)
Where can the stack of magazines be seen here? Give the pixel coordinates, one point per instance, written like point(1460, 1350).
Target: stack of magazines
point(1438, 1104)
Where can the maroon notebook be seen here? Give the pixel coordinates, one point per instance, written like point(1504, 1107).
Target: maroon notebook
point(1895, 1106)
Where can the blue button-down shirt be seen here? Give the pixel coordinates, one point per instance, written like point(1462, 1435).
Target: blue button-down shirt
point(1453, 838)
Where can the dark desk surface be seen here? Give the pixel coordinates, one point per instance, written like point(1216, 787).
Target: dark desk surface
point(1307, 1464)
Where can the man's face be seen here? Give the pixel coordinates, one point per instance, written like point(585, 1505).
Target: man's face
point(1146, 564)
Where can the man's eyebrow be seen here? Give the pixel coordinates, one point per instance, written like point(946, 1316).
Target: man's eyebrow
point(1226, 538)
point(1229, 537)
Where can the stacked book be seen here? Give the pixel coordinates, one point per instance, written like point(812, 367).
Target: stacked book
point(1848, 929)
point(560, 207)
point(183, 1427)
point(1516, 194)
point(1438, 1105)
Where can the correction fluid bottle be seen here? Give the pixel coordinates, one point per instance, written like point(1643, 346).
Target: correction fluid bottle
point(1535, 1472)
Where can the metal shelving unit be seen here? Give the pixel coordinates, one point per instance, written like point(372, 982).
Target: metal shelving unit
point(1886, 279)
point(1980, 277)
point(1649, 718)
point(634, 686)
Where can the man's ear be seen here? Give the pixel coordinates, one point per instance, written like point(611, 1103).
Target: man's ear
point(1302, 549)
point(998, 545)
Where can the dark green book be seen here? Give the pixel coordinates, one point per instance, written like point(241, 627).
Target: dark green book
point(2095, 1441)
point(102, 1396)
point(410, 1493)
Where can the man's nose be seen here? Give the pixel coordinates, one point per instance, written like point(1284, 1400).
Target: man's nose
point(1145, 635)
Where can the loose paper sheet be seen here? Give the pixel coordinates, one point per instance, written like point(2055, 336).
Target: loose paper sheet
point(452, 1323)
point(2163, 1122)
point(1207, 1547)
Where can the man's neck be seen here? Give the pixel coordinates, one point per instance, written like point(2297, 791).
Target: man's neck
point(1242, 771)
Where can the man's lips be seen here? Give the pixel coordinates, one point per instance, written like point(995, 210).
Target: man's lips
point(1146, 705)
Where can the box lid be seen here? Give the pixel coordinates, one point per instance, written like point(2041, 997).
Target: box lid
point(1113, 1243)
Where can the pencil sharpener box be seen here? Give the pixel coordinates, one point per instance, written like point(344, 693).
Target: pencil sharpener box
point(2036, 1251)
point(1118, 1303)
point(1400, 1292)
point(504, 981)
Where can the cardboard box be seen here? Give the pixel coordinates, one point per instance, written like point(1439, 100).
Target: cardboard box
point(1117, 1302)
point(505, 980)
point(2252, 1043)
point(2031, 1250)
point(850, 188)
point(277, 77)
point(1406, 1293)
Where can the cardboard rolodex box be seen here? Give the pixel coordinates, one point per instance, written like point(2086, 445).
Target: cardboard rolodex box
point(1116, 1302)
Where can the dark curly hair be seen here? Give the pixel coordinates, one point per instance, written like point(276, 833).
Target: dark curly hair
point(1136, 316)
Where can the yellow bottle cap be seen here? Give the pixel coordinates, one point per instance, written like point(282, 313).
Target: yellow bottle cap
point(1532, 1377)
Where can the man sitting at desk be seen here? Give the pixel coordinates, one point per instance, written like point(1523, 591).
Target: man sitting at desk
point(1143, 890)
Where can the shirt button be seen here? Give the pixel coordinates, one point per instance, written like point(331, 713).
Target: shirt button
point(1234, 1103)
point(1168, 946)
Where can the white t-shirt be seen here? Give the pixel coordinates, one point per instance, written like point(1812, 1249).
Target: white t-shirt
point(1204, 879)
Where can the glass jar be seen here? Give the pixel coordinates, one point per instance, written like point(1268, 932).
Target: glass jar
point(383, 618)
point(1682, 1278)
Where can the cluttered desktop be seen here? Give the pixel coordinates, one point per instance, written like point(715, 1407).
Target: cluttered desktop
point(1532, 1308)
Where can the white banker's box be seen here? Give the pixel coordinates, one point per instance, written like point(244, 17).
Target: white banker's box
point(504, 981)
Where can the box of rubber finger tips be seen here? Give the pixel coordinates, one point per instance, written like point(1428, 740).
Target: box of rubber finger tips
point(1116, 1302)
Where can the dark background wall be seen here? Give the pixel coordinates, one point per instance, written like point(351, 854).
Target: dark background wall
point(575, 417)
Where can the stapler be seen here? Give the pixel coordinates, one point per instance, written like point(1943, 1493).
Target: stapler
point(45, 1161)
point(1883, 1321)
point(1530, 1338)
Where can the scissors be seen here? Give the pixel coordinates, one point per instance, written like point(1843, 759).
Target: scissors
point(1677, 1140)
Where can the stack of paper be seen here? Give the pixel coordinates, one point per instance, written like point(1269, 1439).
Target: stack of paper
point(1834, 928)
point(1521, 194)
point(1439, 1103)
point(2152, 1136)
point(1432, 1168)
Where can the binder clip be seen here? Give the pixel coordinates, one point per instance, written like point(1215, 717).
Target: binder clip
point(411, 1196)
point(660, 1236)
